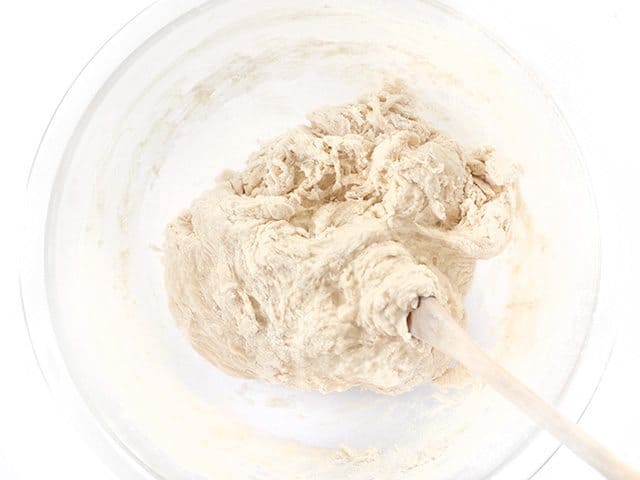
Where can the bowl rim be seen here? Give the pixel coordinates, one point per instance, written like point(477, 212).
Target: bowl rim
point(82, 92)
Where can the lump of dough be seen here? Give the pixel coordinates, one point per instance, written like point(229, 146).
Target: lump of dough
point(301, 268)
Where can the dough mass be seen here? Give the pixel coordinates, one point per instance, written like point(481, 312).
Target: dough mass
point(301, 268)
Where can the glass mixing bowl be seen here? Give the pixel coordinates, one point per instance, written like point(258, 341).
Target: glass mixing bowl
point(186, 90)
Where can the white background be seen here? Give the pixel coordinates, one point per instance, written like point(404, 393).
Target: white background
point(586, 52)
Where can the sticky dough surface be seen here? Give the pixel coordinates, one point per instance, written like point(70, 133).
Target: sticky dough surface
point(302, 267)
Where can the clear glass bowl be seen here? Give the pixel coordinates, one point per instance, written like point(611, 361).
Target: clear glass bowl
point(185, 90)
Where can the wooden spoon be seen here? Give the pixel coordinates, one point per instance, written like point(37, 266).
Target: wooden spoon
point(432, 324)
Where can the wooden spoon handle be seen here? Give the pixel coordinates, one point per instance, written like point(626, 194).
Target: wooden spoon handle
point(433, 324)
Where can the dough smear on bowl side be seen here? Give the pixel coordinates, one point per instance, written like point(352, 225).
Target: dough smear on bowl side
point(301, 269)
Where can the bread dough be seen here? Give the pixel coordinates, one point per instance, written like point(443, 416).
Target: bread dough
point(301, 268)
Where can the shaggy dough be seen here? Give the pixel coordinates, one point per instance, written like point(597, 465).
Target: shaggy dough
point(301, 269)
